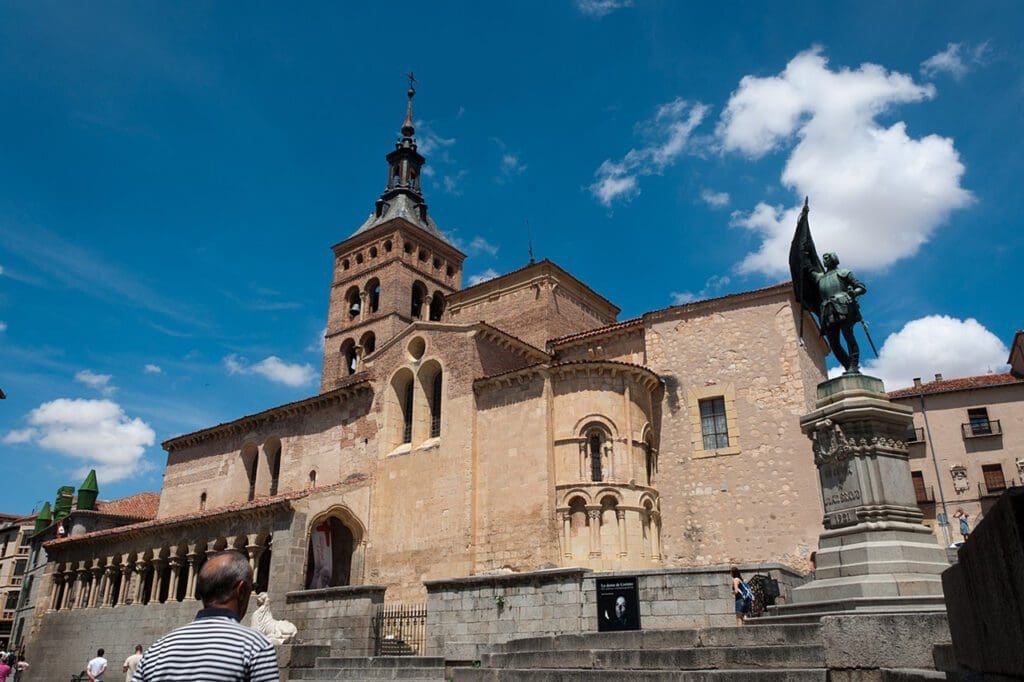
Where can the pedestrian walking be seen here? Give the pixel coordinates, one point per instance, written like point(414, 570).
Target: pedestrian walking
point(744, 597)
point(215, 647)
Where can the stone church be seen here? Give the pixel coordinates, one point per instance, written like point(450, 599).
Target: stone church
point(506, 427)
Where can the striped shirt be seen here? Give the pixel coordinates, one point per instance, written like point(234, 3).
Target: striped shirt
point(214, 647)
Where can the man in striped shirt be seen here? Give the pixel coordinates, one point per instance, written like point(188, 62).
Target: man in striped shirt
point(215, 647)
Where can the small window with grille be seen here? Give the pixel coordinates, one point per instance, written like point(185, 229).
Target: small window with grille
point(713, 423)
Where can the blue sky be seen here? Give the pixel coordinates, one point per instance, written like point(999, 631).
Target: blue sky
point(172, 177)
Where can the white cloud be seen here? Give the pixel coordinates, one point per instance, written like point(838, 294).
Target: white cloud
point(273, 368)
point(715, 199)
point(428, 142)
point(489, 273)
point(97, 433)
point(876, 194)
point(601, 8)
point(956, 60)
point(453, 183)
point(511, 167)
point(481, 245)
point(152, 369)
point(317, 346)
point(712, 288)
point(99, 382)
point(934, 344)
point(3, 326)
point(668, 135)
point(20, 436)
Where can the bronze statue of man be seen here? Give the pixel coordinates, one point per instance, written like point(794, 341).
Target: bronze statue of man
point(838, 290)
point(829, 291)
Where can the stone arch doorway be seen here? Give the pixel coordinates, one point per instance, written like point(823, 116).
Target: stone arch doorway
point(334, 554)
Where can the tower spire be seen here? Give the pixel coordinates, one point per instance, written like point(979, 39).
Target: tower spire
point(407, 127)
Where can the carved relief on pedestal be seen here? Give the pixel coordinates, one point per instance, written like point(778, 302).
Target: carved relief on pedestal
point(1020, 469)
point(959, 474)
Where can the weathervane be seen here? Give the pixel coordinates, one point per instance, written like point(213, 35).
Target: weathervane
point(412, 82)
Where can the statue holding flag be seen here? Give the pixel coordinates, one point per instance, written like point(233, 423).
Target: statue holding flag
point(829, 291)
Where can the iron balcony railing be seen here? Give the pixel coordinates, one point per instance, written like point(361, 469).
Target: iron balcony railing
point(400, 630)
point(994, 489)
point(981, 429)
point(915, 435)
point(925, 495)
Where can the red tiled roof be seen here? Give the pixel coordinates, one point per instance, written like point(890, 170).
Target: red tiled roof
point(199, 516)
point(958, 384)
point(139, 506)
point(636, 321)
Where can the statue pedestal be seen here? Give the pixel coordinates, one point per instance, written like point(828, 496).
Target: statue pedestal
point(875, 554)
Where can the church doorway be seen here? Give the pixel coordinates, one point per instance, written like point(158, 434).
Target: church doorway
point(333, 555)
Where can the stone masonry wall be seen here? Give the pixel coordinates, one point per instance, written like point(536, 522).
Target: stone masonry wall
point(759, 498)
point(465, 616)
point(339, 617)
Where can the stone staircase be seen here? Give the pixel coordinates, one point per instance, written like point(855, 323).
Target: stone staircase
point(792, 653)
point(408, 668)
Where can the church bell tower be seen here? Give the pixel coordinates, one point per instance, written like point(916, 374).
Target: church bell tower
point(397, 268)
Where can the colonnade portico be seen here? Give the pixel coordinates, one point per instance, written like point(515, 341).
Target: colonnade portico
point(152, 575)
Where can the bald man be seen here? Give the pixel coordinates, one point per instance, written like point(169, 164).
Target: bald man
point(215, 647)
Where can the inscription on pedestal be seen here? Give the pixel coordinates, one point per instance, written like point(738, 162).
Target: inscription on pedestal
point(840, 492)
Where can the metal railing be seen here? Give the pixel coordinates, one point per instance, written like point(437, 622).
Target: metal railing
point(981, 429)
point(984, 490)
point(915, 435)
point(925, 495)
point(400, 630)
point(23, 550)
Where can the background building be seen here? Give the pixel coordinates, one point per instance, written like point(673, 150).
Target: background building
point(14, 550)
point(967, 446)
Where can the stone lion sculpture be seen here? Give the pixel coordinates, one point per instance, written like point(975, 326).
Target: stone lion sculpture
point(277, 631)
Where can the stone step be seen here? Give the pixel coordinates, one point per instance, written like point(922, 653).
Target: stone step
point(691, 658)
point(569, 675)
point(911, 675)
point(368, 674)
point(747, 635)
point(380, 662)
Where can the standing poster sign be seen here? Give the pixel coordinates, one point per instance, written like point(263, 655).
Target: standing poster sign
point(323, 561)
point(618, 604)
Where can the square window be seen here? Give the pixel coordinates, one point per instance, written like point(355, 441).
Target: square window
point(713, 424)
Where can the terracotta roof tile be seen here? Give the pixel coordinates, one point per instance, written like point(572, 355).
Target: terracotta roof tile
point(258, 503)
point(140, 506)
point(958, 384)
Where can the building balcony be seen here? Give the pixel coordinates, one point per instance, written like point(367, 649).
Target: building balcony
point(981, 429)
point(23, 550)
point(914, 435)
point(7, 616)
point(15, 581)
point(925, 495)
point(993, 489)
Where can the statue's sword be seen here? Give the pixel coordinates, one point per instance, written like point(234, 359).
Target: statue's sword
point(867, 333)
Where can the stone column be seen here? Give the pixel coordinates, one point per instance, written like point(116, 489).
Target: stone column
point(655, 537)
point(97, 584)
point(594, 515)
point(140, 588)
point(875, 552)
point(254, 551)
point(58, 582)
point(190, 576)
point(172, 589)
point(81, 598)
point(106, 597)
point(123, 588)
point(567, 534)
point(620, 520)
point(158, 578)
